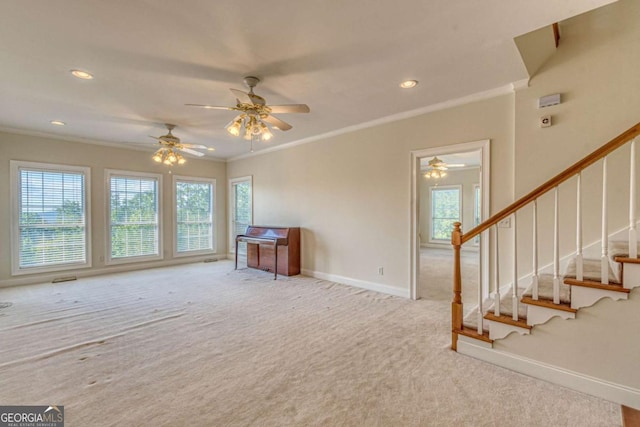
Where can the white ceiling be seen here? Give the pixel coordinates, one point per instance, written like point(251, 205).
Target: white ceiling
point(344, 59)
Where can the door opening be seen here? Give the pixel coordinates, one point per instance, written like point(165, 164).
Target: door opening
point(458, 190)
point(240, 210)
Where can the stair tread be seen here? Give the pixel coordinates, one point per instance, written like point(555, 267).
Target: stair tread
point(521, 323)
point(545, 289)
point(627, 260)
point(616, 287)
point(473, 333)
point(548, 304)
point(591, 269)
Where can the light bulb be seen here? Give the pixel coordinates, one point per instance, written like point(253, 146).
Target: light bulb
point(181, 161)
point(172, 156)
point(234, 128)
point(157, 157)
point(266, 133)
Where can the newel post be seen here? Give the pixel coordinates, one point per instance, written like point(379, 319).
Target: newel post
point(456, 304)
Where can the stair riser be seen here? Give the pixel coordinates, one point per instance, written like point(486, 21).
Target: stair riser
point(538, 315)
point(585, 297)
point(631, 276)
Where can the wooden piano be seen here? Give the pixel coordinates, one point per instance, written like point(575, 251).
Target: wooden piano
point(275, 249)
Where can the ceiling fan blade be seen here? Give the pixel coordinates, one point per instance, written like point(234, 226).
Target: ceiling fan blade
point(194, 152)
point(276, 122)
point(241, 96)
point(155, 137)
point(210, 107)
point(202, 147)
point(289, 108)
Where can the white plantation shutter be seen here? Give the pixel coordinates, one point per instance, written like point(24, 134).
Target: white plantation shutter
point(194, 215)
point(134, 215)
point(51, 213)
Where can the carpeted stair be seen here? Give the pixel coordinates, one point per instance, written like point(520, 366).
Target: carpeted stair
point(591, 278)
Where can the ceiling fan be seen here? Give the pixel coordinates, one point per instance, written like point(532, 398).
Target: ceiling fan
point(437, 168)
point(255, 114)
point(170, 146)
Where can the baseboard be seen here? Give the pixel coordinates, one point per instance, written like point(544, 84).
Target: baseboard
point(120, 268)
point(606, 390)
point(371, 286)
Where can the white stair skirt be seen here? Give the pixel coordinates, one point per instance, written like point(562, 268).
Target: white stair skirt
point(582, 296)
point(631, 275)
point(537, 315)
point(499, 330)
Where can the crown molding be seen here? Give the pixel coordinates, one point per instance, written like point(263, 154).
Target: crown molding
point(68, 138)
point(479, 96)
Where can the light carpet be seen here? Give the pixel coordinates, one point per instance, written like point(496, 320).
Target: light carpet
point(203, 345)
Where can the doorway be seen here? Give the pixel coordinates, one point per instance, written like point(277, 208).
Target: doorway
point(448, 184)
point(240, 210)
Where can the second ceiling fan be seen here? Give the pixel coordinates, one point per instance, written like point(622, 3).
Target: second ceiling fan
point(255, 114)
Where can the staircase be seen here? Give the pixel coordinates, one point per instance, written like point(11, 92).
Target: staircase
point(574, 293)
point(544, 293)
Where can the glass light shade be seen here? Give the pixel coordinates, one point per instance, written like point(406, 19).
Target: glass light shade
point(234, 128)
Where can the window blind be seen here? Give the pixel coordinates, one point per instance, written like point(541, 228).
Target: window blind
point(51, 218)
point(194, 216)
point(134, 216)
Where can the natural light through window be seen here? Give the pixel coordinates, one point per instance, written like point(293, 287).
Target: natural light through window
point(50, 205)
point(445, 210)
point(194, 215)
point(134, 216)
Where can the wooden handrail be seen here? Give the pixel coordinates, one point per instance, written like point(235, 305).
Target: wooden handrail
point(577, 167)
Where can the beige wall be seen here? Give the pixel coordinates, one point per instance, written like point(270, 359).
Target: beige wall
point(596, 71)
point(467, 179)
point(351, 193)
point(99, 158)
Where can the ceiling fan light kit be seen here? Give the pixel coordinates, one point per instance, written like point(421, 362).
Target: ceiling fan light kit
point(255, 115)
point(169, 152)
point(437, 168)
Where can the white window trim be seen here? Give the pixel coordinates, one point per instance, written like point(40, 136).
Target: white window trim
point(230, 204)
point(108, 173)
point(15, 166)
point(442, 187)
point(211, 181)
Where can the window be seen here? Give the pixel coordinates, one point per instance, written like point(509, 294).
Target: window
point(194, 215)
point(445, 210)
point(50, 217)
point(241, 211)
point(134, 216)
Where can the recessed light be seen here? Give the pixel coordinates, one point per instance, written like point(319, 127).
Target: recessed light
point(211, 149)
point(57, 123)
point(408, 84)
point(82, 74)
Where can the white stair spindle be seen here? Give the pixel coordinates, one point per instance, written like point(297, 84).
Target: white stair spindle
point(556, 248)
point(579, 257)
point(604, 259)
point(535, 250)
point(514, 288)
point(480, 293)
point(497, 266)
point(633, 233)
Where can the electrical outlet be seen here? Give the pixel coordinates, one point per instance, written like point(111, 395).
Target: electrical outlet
point(505, 223)
point(380, 271)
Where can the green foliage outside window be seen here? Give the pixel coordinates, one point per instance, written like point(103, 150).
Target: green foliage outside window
point(194, 211)
point(445, 210)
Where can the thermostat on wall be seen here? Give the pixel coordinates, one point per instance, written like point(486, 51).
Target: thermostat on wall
point(549, 100)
